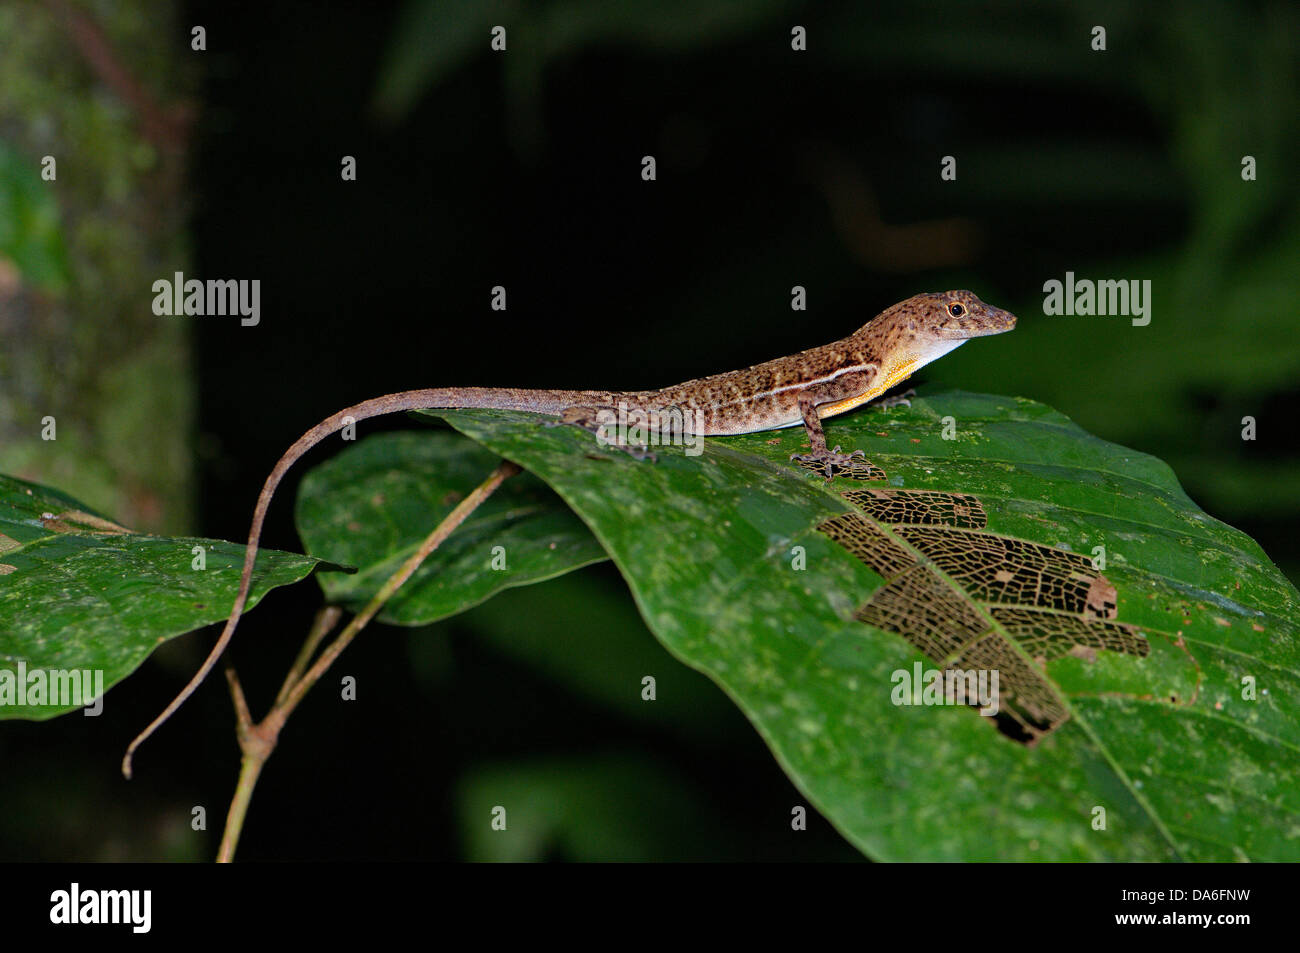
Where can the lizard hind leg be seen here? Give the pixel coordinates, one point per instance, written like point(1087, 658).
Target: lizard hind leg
point(602, 422)
point(898, 400)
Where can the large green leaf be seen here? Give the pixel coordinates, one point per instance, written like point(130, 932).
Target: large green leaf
point(79, 593)
point(373, 504)
point(1153, 699)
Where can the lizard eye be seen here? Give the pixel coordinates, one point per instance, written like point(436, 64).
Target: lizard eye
point(956, 310)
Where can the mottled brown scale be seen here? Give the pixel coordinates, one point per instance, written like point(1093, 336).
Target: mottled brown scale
point(802, 388)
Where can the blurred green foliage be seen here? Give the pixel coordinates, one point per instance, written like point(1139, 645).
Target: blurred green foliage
point(29, 224)
point(78, 340)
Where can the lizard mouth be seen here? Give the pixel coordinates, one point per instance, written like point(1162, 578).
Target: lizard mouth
point(990, 321)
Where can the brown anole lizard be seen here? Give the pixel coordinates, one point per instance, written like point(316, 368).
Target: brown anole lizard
point(800, 389)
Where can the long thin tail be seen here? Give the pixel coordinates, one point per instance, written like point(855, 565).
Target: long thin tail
point(552, 402)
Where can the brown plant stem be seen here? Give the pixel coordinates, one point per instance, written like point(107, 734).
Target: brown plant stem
point(257, 741)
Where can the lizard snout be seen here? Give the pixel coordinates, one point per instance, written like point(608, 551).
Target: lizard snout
point(1002, 320)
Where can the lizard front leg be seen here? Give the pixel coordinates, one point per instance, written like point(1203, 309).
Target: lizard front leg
point(843, 389)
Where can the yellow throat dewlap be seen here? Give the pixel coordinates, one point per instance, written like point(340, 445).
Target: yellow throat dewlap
point(898, 373)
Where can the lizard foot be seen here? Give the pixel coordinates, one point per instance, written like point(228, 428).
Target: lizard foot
point(641, 452)
point(898, 400)
point(828, 462)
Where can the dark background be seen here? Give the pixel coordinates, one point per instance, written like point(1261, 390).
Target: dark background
point(775, 168)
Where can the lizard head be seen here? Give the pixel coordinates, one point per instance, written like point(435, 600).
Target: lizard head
point(925, 327)
point(955, 316)
point(927, 319)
